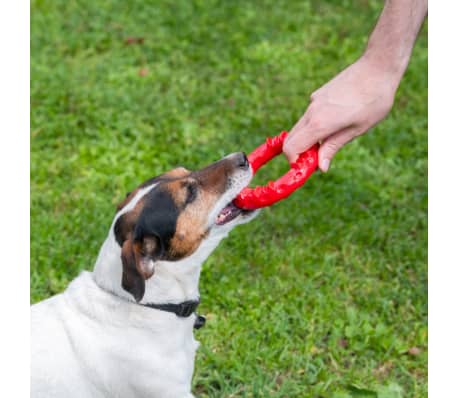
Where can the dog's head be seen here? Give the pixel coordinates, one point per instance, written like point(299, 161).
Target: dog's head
point(169, 218)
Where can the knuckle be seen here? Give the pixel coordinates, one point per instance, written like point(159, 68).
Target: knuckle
point(315, 123)
point(313, 108)
point(287, 150)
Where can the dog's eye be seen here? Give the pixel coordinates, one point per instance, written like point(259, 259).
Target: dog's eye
point(191, 193)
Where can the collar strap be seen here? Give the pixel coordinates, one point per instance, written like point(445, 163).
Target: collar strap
point(183, 310)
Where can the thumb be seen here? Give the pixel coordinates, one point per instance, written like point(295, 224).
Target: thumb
point(331, 145)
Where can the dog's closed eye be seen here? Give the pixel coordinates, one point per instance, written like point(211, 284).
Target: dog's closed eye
point(191, 194)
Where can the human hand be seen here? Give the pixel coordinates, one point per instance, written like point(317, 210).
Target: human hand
point(344, 108)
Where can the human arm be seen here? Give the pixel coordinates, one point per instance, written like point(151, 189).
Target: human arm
point(362, 94)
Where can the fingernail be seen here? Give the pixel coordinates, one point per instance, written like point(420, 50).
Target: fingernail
point(324, 165)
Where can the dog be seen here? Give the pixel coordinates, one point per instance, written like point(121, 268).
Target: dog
point(126, 329)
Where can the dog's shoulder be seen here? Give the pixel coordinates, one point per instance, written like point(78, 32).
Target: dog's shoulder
point(56, 317)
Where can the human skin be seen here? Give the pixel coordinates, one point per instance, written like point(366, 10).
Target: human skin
point(362, 94)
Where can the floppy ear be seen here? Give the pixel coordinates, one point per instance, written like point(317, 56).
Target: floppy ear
point(137, 257)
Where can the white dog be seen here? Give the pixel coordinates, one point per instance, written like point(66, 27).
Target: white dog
point(126, 329)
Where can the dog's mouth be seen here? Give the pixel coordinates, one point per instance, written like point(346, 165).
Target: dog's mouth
point(229, 213)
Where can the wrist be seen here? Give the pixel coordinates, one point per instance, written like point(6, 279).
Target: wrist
point(391, 68)
point(390, 45)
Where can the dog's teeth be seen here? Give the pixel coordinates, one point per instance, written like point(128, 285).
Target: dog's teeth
point(228, 213)
point(220, 218)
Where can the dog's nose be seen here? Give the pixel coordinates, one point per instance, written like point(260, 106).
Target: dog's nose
point(242, 161)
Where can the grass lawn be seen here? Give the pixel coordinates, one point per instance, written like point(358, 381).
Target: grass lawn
point(323, 295)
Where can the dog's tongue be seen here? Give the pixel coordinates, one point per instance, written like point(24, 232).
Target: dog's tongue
point(228, 213)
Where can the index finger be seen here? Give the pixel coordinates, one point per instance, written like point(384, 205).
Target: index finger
point(309, 130)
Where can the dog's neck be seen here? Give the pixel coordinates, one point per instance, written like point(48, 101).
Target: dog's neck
point(172, 282)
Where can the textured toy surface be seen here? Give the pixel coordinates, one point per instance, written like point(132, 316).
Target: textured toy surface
point(274, 191)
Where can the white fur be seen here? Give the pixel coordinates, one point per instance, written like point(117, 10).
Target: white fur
point(93, 340)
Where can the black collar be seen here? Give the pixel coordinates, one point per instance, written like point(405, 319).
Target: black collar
point(183, 310)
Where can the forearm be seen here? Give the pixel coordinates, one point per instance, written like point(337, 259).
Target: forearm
point(362, 94)
point(392, 40)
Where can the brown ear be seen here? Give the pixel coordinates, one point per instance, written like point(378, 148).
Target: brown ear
point(137, 264)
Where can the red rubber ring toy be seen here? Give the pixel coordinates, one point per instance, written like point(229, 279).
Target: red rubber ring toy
point(273, 192)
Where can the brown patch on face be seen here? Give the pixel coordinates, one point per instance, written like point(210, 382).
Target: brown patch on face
point(192, 204)
point(179, 172)
point(179, 190)
point(196, 195)
point(188, 237)
point(170, 221)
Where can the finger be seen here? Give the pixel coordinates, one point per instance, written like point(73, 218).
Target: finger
point(299, 126)
point(332, 145)
point(301, 137)
point(297, 143)
point(310, 129)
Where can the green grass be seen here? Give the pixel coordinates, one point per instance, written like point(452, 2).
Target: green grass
point(323, 294)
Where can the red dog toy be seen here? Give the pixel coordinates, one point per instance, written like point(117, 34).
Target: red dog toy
point(301, 169)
